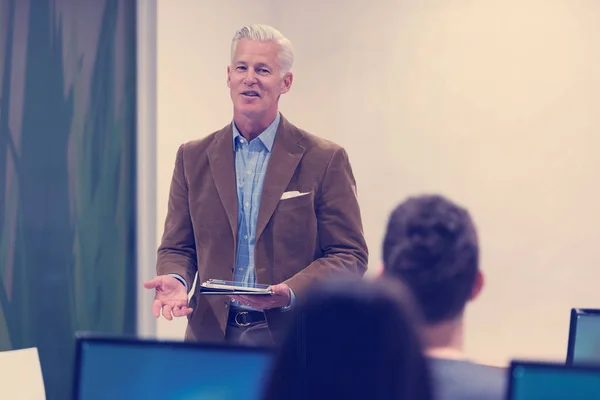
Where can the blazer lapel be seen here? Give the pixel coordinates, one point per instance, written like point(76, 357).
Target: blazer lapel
point(222, 165)
point(285, 156)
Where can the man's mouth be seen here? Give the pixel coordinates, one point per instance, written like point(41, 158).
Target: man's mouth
point(250, 93)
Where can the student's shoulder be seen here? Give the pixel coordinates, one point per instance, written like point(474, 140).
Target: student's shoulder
point(464, 379)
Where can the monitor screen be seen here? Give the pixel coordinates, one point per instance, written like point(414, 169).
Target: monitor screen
point(130, 369)
point(586, 341)
point(532, 381)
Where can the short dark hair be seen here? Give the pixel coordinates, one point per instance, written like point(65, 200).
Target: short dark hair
point(431, 244)
point(352, 339)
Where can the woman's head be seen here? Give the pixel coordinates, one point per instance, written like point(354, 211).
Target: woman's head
point(352, 339)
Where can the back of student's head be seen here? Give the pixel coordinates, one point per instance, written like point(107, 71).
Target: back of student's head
point(431, 244)
point(352, 340)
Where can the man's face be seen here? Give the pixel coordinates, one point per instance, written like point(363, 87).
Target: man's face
point(254, 79)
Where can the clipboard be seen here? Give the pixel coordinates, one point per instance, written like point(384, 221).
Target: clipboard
point(226, 288)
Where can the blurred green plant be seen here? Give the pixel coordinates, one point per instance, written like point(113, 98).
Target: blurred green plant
point(67, 177)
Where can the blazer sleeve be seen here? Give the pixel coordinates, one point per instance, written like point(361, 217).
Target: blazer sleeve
point(177, 251)
point(341, 238)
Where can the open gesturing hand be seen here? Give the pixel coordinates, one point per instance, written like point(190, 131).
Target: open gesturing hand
point(170, 297)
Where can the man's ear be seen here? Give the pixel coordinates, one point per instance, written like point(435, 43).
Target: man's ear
point(477, 285)
point(286, 82)
point(379, 271)
point(229, 77)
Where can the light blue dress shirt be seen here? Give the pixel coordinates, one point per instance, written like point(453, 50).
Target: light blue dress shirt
point(251, 160)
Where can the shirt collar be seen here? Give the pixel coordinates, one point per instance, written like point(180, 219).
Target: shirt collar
point(267, 137)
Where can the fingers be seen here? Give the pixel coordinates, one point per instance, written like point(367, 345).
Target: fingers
point(246, 300)
point(152, 283)
point(238, 299)
point(165, 283)
point(156, 306)
point(280, 289)
point(170, 309)
point(258, 303)
point(182, 310)
point(243, 299)
point(280, 298)
point(167, 312)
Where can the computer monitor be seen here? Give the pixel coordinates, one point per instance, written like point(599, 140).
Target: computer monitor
point(118, 368)
point(584, 336)
point(549, 381)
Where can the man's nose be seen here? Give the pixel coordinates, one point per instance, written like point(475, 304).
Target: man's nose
point(250, 77)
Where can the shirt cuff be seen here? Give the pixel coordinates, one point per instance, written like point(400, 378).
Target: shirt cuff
point(292, 301)
point(180, 279)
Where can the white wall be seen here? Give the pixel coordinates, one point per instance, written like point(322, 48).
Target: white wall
point(493, 103)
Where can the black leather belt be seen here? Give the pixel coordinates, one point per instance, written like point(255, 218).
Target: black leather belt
point(245, 318)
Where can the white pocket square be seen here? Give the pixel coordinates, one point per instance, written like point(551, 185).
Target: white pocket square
point(292, 194)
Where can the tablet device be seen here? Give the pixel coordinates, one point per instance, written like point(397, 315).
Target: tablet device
point(221, 287)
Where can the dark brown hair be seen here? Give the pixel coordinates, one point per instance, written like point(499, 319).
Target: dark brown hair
point(431, 244)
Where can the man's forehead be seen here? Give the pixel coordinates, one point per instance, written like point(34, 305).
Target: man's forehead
point(249, 48)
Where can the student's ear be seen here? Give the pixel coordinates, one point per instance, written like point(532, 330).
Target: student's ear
point(477, 285)
point(379, 271)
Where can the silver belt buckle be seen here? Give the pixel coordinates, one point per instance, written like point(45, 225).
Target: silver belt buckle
point(242, 324)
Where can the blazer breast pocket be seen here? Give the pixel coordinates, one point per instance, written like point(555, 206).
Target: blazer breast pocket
point(295, 201)
point(295, 230)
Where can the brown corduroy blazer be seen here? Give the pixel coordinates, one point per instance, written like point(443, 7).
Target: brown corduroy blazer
point(298, 240)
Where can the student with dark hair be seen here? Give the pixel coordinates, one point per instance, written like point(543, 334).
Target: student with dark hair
point(431, 245)
point(352, 340)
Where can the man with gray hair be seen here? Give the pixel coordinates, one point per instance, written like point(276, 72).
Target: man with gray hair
point(258, 201)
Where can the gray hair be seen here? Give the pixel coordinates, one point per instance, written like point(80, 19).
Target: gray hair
point(266, 33)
